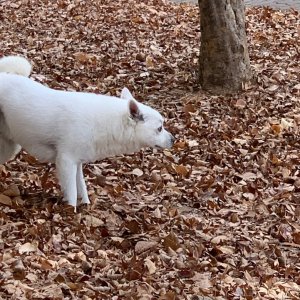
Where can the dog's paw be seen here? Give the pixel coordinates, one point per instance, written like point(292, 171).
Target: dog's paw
point(85, 200)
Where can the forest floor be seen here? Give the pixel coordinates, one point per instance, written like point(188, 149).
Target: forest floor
point(216, 217)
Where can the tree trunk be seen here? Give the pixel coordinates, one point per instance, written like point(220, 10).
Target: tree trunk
point(224, 65)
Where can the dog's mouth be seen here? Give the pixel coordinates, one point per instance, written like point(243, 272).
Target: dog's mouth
point(158, 147)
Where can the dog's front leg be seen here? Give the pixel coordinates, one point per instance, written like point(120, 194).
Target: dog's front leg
point(81, 186)
point(66, 171)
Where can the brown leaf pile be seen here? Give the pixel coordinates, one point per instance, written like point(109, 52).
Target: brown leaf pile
point(217, 217)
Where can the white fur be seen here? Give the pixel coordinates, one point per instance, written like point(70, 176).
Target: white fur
point(16, 65)
point(71, 128)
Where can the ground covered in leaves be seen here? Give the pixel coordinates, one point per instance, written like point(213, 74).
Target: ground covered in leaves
point(217, 217)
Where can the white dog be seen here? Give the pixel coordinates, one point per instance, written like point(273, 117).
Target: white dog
point(71, 128)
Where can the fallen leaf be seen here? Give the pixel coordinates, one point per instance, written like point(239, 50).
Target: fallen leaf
point(150, 266)
point(28, 247)
point(240, 103)
point(171, 241)
point(143, 246)
point(181, 170)
point(19, 271)
point(219, 239)
point(137, 172)
point(5, 200)
point(12, 191)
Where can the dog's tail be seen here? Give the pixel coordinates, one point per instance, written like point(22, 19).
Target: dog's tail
point(16, 65)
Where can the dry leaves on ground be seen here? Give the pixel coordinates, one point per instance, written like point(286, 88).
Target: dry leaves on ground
point(217, 217)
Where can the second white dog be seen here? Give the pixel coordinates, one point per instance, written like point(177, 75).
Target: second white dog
point(71, 128)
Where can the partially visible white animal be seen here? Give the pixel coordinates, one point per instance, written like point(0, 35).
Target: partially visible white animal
point(71, 128)
point(15, 65)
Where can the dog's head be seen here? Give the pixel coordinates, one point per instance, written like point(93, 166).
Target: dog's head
point(148, 124)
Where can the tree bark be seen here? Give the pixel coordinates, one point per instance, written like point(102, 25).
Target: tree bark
point(224, 65)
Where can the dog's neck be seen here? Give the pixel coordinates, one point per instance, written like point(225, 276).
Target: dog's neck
point(119, 140)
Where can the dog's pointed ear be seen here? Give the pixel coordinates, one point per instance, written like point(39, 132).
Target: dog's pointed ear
point(125, 94)
point(134, 111)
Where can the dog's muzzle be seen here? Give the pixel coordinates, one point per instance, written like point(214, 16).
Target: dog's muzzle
point(168, 143)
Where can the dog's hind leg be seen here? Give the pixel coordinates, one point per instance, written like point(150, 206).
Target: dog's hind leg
point(66, 172)
point(81, 186)
point(8, 149)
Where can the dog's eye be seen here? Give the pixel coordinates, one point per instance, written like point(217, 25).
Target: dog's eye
point(159, 129)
